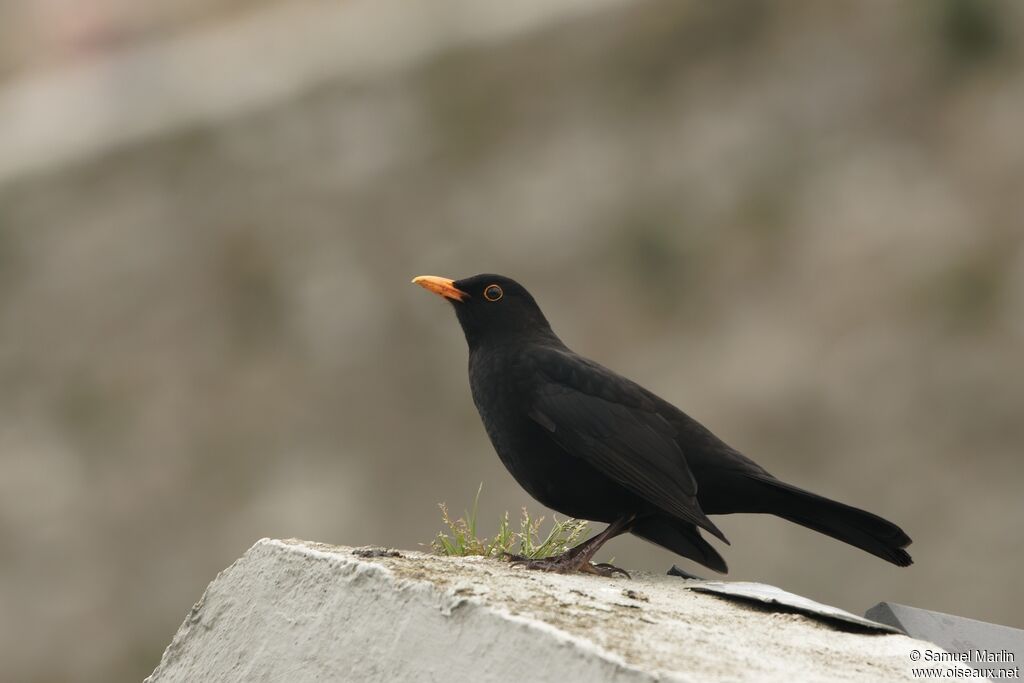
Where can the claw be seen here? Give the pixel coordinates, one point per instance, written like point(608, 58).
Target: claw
point(611, 570)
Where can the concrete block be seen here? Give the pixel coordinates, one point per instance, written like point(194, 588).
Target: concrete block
point(299, 611)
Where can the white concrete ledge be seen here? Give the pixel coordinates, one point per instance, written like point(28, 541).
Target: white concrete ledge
point(299, 611)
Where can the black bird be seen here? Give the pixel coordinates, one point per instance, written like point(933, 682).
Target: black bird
point(591, 444)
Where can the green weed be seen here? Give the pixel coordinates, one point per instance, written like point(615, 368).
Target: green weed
point(460, 537)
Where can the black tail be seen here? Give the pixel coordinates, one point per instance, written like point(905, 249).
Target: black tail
point(680, 537)
point(851, 525)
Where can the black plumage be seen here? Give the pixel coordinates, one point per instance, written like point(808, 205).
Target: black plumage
point(594, 445)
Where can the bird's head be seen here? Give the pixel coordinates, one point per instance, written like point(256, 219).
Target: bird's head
point(491, 308)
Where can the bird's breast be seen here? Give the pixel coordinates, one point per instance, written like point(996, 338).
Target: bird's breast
point(499, 394)
point(501, 387)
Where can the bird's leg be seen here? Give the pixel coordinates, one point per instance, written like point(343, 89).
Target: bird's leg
point(578, 558)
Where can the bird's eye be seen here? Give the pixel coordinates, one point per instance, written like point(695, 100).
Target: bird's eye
point(493, 292)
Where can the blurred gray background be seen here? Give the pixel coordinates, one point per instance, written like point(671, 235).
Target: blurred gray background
point(800, 222)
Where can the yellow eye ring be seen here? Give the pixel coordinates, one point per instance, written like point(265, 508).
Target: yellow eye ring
point(493, 292)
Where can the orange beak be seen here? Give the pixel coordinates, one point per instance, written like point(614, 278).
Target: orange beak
point(440, 285)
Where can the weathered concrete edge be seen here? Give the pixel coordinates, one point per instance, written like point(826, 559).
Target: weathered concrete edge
point(452, 602)
point(615, 668)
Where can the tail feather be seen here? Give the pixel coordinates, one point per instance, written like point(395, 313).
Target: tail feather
point(680, 537)
point(859, 528)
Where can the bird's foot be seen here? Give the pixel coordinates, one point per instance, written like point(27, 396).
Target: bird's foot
point(567, 563)
point(513, 558)
point(578, 558)
point(570, 554)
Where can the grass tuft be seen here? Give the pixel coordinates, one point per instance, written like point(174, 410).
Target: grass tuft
point(460, 538)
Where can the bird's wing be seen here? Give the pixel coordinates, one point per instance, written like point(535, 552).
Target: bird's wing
point(608, 421)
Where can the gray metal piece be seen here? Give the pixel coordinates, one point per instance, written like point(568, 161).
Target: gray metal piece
point(770, 595)
point(676, 570)
point(982, 644)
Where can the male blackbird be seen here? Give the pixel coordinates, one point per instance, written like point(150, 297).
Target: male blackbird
point(591, 444)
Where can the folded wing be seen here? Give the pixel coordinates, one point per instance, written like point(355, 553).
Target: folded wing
point(604, 419)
